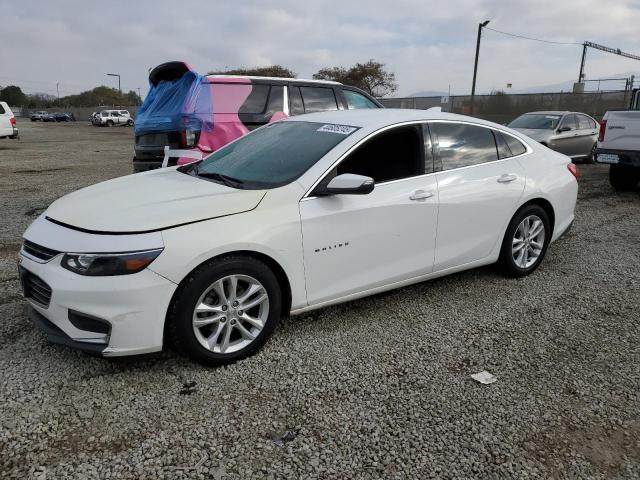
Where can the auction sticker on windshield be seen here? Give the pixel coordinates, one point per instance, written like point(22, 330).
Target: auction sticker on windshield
point(341, 129)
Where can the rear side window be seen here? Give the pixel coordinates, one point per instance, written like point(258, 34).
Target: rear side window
point(501, 144)
point(515, 145)
point(462, 145)
point(256, 102)
point(585, 123)
point(318, 99)
point(276, 101)
point(2, 111)
point(356, 100)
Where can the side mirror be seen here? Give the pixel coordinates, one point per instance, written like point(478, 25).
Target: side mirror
point(347, 184)
point(564, 128)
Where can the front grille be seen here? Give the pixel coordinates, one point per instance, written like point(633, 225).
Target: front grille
point(35, 288)
point(38, 251)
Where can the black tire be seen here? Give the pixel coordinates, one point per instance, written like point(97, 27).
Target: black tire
point(592, 155)
point(179, 329)
point(506, 261)
point(130, 123)
point(109, 123)
point(624, 178)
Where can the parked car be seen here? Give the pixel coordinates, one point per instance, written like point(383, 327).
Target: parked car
point(63, 117)
point(619, 144)
point(110, 118)
point(187, 111)
point(37, 116)
point(306, 212)
point(8, 126)
point(572, 133)
point(49, 117)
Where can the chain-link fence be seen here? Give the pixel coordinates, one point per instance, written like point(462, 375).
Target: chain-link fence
point(502, 108)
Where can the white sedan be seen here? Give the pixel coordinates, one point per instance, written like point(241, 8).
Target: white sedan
point(300, 214)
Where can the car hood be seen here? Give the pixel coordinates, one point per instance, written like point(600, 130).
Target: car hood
point(150, 201)
point(536, 134)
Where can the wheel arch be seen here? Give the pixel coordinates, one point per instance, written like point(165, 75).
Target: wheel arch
point(546, 206)
point(276, 268)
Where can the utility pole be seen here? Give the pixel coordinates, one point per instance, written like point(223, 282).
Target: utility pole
point(615, 51)
point(475, 65)
point(58, 90)
point(116, 75)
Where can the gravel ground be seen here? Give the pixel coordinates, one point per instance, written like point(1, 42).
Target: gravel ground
point(376, 388)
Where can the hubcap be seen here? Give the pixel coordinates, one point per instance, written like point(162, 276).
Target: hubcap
point(528, 241)
point(240, 299)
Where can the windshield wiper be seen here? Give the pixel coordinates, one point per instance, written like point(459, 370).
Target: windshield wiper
point(225, 179)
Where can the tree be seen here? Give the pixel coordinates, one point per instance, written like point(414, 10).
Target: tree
point(270, 71)
point(370, 77)
point(14, 96)
point(41, 100)
point(100, 96)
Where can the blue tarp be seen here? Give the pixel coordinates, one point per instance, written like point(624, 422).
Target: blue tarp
point(176, 105)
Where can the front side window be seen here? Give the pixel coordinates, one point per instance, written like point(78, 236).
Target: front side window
point(356, 100)
point(271, 156)
point(318, 99)
point(463, 145)
point(569, 121)
point(536, 121)
point(391, 155)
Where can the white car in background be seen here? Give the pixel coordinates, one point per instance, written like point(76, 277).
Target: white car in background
point(110, 118)
point(302, 213)
point(8, 127)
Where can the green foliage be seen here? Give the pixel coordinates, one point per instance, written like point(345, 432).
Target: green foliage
point(370, 77)
point(14, 96)
point(270, 71)
point(100, 96)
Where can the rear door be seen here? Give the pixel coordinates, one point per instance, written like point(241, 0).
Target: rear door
point(587, 134)
point(478, 191)
point(318, 98)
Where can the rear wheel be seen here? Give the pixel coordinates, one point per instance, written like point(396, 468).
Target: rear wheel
point(592, 155)
point(130, 123)
point(225, 310)
point(525, 241)
point(109, 123)
point(622, 177)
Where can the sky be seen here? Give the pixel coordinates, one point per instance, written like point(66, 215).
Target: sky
point(428, 44)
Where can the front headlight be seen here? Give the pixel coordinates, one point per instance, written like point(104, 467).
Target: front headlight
point(102, 264)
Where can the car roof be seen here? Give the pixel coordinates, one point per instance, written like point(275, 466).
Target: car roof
point(274, 79)
point(374, 118)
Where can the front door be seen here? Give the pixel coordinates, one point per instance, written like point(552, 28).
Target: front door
point(354, 243)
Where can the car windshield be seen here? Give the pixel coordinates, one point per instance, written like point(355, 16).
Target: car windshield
point(536, 121)
point(273, 155)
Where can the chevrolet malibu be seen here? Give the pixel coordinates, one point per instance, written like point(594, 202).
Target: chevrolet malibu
point(299, 214)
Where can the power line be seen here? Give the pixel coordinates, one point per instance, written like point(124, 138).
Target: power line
point(532, 38)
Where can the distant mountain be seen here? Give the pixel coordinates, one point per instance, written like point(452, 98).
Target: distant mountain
point(429, 93)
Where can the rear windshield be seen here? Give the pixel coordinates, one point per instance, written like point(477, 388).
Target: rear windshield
point(537, 121)
point(273, 155)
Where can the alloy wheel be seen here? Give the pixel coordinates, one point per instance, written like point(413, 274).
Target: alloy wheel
point(230, 314)
point(528, 241)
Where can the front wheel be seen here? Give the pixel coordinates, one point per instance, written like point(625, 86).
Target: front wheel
point(109, 123)
point(130, 123)
point(525, 241)
point(225, 310)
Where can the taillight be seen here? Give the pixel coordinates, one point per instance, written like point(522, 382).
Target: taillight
point(573, 169)
point(603, 128)
point(189, 138)
point(12, 121)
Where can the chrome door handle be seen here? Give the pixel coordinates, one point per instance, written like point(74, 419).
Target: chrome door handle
point(420, 195)
point(507, 177)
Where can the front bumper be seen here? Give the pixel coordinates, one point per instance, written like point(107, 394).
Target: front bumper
point(111, 316)
point(629, 158)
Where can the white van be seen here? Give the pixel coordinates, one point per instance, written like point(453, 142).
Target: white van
point(8, 128)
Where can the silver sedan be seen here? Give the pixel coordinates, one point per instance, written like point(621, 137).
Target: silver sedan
point(572, 133)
